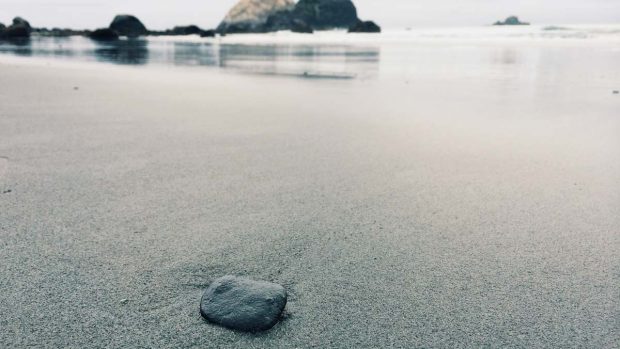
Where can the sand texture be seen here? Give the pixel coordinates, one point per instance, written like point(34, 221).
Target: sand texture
point(430, 212)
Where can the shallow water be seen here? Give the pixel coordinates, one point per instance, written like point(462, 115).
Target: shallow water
point(404, 54)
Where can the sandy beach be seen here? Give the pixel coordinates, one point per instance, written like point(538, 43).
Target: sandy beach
point(459, 196)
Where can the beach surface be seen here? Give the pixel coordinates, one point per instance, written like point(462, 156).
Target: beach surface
point(456, 196)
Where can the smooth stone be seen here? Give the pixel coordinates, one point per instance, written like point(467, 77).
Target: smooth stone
point(242, 304)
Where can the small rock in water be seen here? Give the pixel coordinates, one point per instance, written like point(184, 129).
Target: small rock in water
point(243, 304)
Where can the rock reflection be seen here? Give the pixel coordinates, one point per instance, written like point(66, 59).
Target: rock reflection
point(305, 61)
point(18, 46)
point(329, 61)
point(132, 51)
point(194, 54)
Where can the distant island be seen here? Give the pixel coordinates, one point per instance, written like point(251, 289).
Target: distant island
point(512, 20)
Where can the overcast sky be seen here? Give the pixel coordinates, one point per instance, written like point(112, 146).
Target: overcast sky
point(161, 14)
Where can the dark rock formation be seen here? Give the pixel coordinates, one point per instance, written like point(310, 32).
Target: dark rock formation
point(104, 34)
point(207, 33)
point(281, 20)
point(261, 16)
point(365, 27)
point(242, 304)
point(127, 25)
point(20, 29)
point(257, 16)
point(20, 22)
point(186, 30)
point(512, 20)
point(299, 26)
point(15, 32)
point(327, 14)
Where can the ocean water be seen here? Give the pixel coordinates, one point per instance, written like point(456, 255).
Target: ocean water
point(338, 55)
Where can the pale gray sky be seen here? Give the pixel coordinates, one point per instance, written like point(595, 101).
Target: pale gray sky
point(161, 14)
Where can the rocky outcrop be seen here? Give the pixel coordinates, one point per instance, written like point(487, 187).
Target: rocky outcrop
point(127, 25)
point(104, 34)
point(299, 26)
point(207, 33)
point(257, 16)
point(184, 30)
point(260, 16)
point(327, 14)
point(512, 20)
point(20, 29)
point(365, 27)
point(20, 22)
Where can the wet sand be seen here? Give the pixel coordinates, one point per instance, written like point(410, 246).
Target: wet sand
point(438, 211)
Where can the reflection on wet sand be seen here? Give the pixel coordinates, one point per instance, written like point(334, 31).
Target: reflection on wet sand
point(298, 60)
point(133, 52)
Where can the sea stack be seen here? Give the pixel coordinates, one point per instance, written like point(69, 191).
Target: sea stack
point(512, 20)
point(327, 14)
point(257, 16)
point(20, 29)
point(305, 16)
point(127, 25)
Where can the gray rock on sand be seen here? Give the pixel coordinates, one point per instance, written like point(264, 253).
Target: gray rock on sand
point(127, 25)
point(242, 304)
